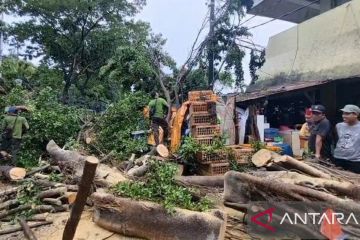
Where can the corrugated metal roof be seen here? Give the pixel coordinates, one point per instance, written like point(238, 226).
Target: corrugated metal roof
point(278, 90)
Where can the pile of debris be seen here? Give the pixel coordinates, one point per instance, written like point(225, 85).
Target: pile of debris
point(51, 188)
point(282, 179)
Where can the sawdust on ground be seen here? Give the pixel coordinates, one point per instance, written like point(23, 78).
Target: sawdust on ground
point(86, 230)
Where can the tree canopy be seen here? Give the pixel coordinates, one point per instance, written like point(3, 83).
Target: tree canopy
point(76, 37)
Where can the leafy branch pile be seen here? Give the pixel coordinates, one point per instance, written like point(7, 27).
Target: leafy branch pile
point(159, 186)
point(114, 128)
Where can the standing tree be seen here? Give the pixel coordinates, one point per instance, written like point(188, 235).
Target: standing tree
point(76, 37)
point(225, 43)
point(257, 60)
point(141, 66)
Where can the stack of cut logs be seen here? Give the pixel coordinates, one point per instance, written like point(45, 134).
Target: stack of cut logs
point(36, 193)
point(204, 128)
point(46, 197)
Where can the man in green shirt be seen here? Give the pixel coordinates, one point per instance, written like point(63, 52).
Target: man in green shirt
point(157, 115)
point(13, 124)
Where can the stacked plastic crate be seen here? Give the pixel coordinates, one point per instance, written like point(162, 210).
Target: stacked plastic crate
point(204, 128)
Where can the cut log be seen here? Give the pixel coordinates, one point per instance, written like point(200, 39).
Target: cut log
point(15, 210)
point(55, 169)
point(9, 191)
point(27, 231)
point(36, 170)
point(108, 156)
point(162, 150)
point(288, 189)
point(62, 208)
point(73, 162)
point(57, 192)
point(12, 173)
point(138, 171)
point(37, 218)
point(41, 176)
point(302, 166)
point(5, 155)
point(8, 204)
point(261, 158)
point(72, 188)
point(88, 140)
point(43, 209)
point(151, 221)
point(84, 191)
point(69, 197)
point(342, 188)
point(207, 181)
point(52, 201)
point(19, 228)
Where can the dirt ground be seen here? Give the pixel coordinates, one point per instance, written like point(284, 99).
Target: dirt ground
point(86, 230)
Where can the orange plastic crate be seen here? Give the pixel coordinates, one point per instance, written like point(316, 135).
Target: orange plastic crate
point(202, 108)
point(200, 95)
point(217, 157)
point(242, 155)
point(204, 140)
point(214, 169)
point(203, 119)
point(202, 131)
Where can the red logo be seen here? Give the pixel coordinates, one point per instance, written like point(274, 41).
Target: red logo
point(264, 225)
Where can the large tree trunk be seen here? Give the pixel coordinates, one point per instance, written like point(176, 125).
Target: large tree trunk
point(207, 181)
point(290, 190)
point(73, 162)
point(341, 188)
point(301, 166)
point(151, 221)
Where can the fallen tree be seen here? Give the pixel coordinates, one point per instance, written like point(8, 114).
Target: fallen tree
point(151, 221)
point(267, 158)
point(341, 188)
point(207, 181)
point(290, 190)
point(73, 162)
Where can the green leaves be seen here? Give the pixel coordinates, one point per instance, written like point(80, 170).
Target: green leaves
point(120, 120)
point(159, 186)
point(48, 120)
point(76, 37)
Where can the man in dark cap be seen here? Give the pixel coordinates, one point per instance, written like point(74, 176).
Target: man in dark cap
point(347, 151)
point(320, 140)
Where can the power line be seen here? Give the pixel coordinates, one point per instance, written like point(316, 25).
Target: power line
point(284, 15)
point(247, 20)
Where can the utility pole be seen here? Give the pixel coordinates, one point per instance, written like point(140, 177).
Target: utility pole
point(211, 44)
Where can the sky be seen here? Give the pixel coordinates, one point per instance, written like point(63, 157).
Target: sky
point(180, 20)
